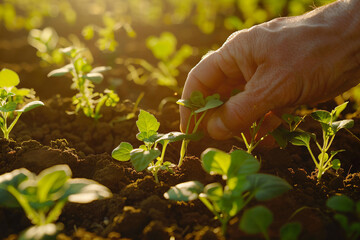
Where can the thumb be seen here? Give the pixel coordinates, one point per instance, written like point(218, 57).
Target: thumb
point(237, 114)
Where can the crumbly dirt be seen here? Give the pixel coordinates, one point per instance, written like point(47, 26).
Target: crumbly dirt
point(48, 136)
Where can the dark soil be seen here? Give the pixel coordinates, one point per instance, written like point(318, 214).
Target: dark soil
point(48, 136)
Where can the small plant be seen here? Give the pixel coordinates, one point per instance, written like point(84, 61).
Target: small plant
point(148, 156)
point(42, 197)
point(243, 184)
point(106, 34)
point(166, 71)
point(10, 97)
point(84, 78)
point(46, 41)
point(329, 126)
point(256, 220)
point(198, 106)
point(348, 214)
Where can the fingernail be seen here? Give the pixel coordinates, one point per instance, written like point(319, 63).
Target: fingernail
point(217, 129)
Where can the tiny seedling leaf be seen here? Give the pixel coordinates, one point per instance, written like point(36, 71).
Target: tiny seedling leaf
point(216, 161)
point(95, 77)
point(281, 136)
point(197, 99)
point(256, 220)
point(337, 110)
point(147, 122)
point(341, 203)
point(290, 231)
point(59, 72)
point(214, 191)
point(8, 107)
point(100, 69)
point(321, 116)
point(122, 152)
point(348, 123)
point(31, 105)
point(266, 186)
point(83, 190)
point(14, 178)
point(300, 138)
point(8, 78)
point(336, 164)
point(179, 136)
point(242, 163)
point(212, 103)
point(186, 191)
point(141, 158)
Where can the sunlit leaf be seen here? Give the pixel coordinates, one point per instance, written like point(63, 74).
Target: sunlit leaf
point(31, 105)
point(8, 78)
point(216, 161)
point(122, 152)
point(256, 220)
point(186, 191)
point(141, 159)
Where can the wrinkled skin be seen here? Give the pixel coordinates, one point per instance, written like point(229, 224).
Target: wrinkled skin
point(279, 65)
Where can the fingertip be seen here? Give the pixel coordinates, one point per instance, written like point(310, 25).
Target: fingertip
point(217, 129)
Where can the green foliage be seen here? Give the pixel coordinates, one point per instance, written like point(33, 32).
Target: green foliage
point(198, 106)
point(290, 231)
point(148, 156)
point(166, 71)
point(348, 214)
point(10, 97)
point(327, 120)
point(107, 40)
point(243, 184)
point(84, 78)
point(46, 41)
point(42, 197)
point(256, 220)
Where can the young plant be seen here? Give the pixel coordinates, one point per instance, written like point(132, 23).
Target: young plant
point(10, 97)
point(84, 78)
point(166, 71)
point(346, 209)
point(42, 197)
point(243, 184)
point(148, 156)
point(329, 126)
point(198, 106)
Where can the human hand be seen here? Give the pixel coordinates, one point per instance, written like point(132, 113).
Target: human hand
point(278, 65)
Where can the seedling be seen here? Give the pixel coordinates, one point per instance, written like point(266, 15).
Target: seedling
point(243, 184)
point(42, 197)
point(84, 78)
point(106, 34)
point(256, 220)
point(166, 71)
point(10, 97)
point(198, 106)
point(148, 156)
point(329, 126)
point(346, 209)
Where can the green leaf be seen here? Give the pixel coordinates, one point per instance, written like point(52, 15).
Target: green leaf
point(337, 110)
point(184, 102)
point(95, 77)
point(14, 178)
point(197, 99)
point(162, 47)
point(321, 116)
point(8, 78)
point(348, 123)
point(214, 191)
point(41, 232)
point(266, 186)
point(51, 180)
point(290, 231)
point(342, 220)
point(336, 164)
point(101, 69)
point(300, 138)
point(341, 203)
point(148, 137)
point(213, 103)
point(141, 159)
point(122, 152)
point(31, 105)
point(256, 220)
point(59, 72)
point(147, 123)
point(215, 161)
point(186, 191)
point(242, 163)
point(281, 136)
point(179, 136)
point(8, 107)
